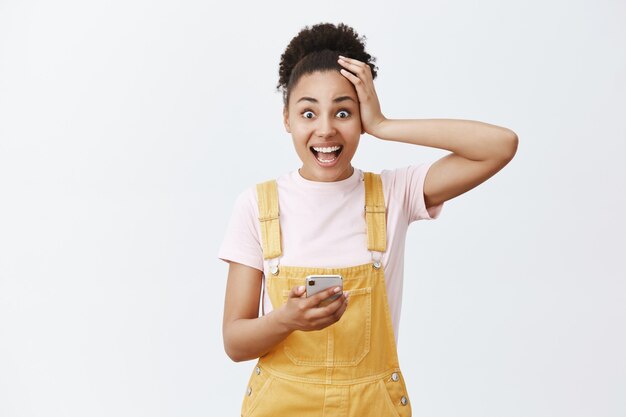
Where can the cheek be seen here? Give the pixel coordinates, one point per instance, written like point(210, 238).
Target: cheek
point(353, 131)
point(299, 142)
point(355, 145)
point(299, 131)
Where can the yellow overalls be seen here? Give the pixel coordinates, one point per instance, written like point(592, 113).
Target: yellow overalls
point(347, 369)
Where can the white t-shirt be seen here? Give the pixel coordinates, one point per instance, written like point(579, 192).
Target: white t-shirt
point(323, 225)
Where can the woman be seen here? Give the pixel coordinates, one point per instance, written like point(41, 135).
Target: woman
point(337, 358)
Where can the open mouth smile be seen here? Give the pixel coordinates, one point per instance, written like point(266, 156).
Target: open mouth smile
point(326, 155)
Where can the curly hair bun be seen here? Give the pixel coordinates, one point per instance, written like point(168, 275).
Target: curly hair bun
point(316, 48)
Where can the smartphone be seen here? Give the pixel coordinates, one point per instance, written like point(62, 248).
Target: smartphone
point(317, 283)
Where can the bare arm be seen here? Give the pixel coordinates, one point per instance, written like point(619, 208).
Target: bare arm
point(478, 150)
point(248, 336)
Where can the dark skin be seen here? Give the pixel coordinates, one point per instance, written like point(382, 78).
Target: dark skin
point(477, 151)
point(248, 336)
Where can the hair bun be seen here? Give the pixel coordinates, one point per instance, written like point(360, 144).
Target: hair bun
point(339, 38)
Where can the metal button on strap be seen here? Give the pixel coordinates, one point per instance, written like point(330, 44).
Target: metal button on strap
point(274, 270)
point(257, 370)
point(249, 392)
point(376, 264)
point(404, 400)
point(395, 377)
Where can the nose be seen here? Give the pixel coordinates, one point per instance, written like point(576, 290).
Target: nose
point(325, 127)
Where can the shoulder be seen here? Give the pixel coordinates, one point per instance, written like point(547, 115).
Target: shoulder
point(400, 176)
point(247, 200)
point(398, 182)
point(404, 189)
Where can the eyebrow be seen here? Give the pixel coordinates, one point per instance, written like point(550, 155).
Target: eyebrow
point(336, 100)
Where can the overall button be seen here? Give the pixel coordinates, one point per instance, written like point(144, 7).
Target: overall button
point(377, 264)
point(257, 370)
point(395, 377)
point(249, 391)
point(403, 400)
point(274, 270)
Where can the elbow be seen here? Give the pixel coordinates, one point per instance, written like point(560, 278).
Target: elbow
point(235, 357)
point(508, 146)
point(234, 351)
point(231, 351)
point(230, 345)
point(238, 356)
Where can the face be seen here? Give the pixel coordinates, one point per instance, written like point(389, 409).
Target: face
point(324, 121)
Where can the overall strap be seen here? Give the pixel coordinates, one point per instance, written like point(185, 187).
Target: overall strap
point(267, 194)
point(375, 213)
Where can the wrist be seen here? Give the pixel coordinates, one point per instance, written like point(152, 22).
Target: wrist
point(281, 322)
point(378, 129)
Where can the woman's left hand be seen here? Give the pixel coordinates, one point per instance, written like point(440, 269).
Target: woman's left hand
point(360, 75)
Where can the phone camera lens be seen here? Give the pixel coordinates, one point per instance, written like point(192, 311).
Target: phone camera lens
point(312, 282)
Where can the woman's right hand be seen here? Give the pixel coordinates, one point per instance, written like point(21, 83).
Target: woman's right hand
point(305, 313)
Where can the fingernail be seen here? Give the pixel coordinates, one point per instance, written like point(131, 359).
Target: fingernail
point(301, 288)
point(337, 289)
point(341, 56)
point(346, 294)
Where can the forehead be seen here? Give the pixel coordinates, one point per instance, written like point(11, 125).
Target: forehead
point(323, 86)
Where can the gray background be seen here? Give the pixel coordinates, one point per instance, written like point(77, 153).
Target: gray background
point(127, 129)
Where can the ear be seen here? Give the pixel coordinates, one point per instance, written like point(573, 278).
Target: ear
point(286, 119)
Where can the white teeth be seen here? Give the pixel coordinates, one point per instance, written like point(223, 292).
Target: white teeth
point(326, 150)
point(327, 161)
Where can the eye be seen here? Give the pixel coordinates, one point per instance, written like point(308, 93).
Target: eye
point(342, 114)
point(308, 114)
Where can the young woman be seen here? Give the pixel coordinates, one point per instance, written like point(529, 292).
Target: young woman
point(329, 218)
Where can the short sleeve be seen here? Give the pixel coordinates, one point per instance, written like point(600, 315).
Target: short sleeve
point(241, 243)
point(406, 185)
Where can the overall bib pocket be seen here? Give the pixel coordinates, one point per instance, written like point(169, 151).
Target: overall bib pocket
point(344, 343)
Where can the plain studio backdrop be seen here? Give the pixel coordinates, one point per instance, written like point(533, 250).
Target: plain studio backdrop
point(128, 128)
